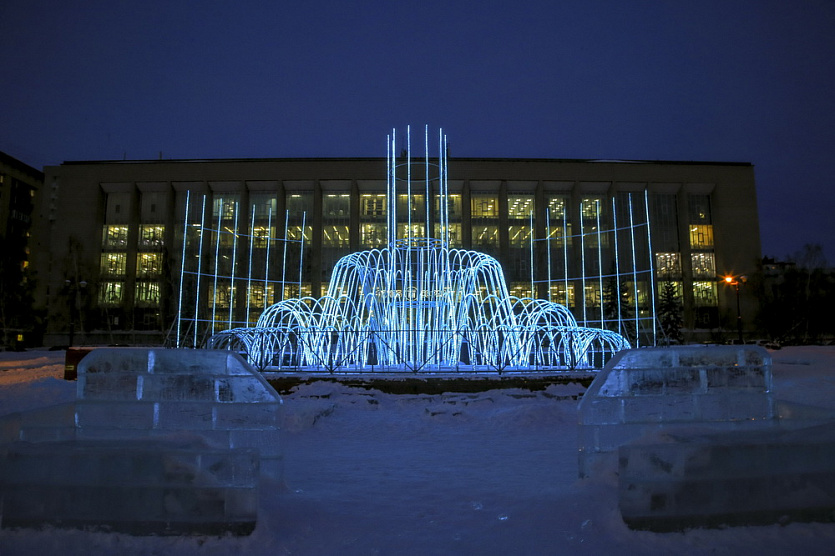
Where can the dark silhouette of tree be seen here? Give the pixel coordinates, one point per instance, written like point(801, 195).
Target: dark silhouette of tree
point(670, 314)
point(797, 299)
point(617, 310)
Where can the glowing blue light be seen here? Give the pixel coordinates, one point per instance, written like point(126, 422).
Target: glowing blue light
point(418, 305)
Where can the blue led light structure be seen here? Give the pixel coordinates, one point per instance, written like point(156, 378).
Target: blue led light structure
point(418, 305)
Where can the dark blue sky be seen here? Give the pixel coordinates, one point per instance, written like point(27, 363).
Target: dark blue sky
point(725, 80)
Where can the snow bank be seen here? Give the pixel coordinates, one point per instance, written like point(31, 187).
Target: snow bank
point(487, 473)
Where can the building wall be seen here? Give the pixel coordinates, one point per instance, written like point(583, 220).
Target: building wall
point(19, 186)
point(120, 223)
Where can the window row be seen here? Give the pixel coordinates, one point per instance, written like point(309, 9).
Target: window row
point(116, 236)
point(669, 264)
point(147, 264)
point(146, 293)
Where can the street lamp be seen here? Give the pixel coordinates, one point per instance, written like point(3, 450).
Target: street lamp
point(74, 289)
point(735, 281)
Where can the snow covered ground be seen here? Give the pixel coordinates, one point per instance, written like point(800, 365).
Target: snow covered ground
point(487, 473)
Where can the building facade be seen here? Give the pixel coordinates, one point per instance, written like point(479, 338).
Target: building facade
point(601, 237)
point(19, 186)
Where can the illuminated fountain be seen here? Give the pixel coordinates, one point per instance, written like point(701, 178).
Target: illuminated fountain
point(418, 305)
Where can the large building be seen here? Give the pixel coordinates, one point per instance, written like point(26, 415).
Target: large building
point(19, 185)
point(111, 251)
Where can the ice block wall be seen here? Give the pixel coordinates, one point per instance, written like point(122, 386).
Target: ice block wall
point(644, 390)
point(161, 441)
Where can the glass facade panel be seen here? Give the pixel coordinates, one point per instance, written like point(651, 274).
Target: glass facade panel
point(453, 205)
point(591, 209)
point(151, 235)
point(678, 287)
point(373, 206)
point(557, 208)
point(698, 208)
point(115, 237)
point(455, 239)
point(110, 293)
point(485, 236)
point(484, 206)
point(704, 294)
point(224, 207)
point(148, 264)
point(701, 236)
point(519, 206)
point(703, 264)
point(520, 289)
point(295, 233)
point(113, 264)
point(299, 204)
point(415, 204)
point(334, 236)
point(261, 235)
point(373, 236)
point(336, 206)
point(417, 230)
point(264, 206)
point(563, 293)
point(664, 215)
point(147, 294)
point(519, 236)
point(668, 264)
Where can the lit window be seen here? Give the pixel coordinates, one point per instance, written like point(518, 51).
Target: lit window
point(667, 264)
point(556, 208)
point(373, 235)
point(110, 293)
point(113, 264)
point(148, 264)
point(558, 233)
point(519, 206)
point(256, 295)
point(454, 229)
point(562, 293)
point(220, 296)
point(453, 205)
point(678, 289)
point(592, 295)
point(372, 205)
point(704, 294)
point(335, 236)
point(147, 294)
point(115, 236)
point(520, 289)
point(295, 233)
point(701, 236)
point(151, 235)
point(417, 230)
point(703, 264)
point(261, 236)
point(520, 236)
point(484, 206)
point(225, 207)
point(591, 209)
point(485, 236)
point(415, 203)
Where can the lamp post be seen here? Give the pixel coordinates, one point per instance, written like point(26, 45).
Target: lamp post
point(735, 281)
point(74, 290)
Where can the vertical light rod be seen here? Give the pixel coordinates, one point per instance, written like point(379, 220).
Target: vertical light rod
point(651, 256)
point(182, 268)
point(199, 268)
point(234, 265)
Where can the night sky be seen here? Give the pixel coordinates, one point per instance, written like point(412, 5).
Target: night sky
point(744, 81)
